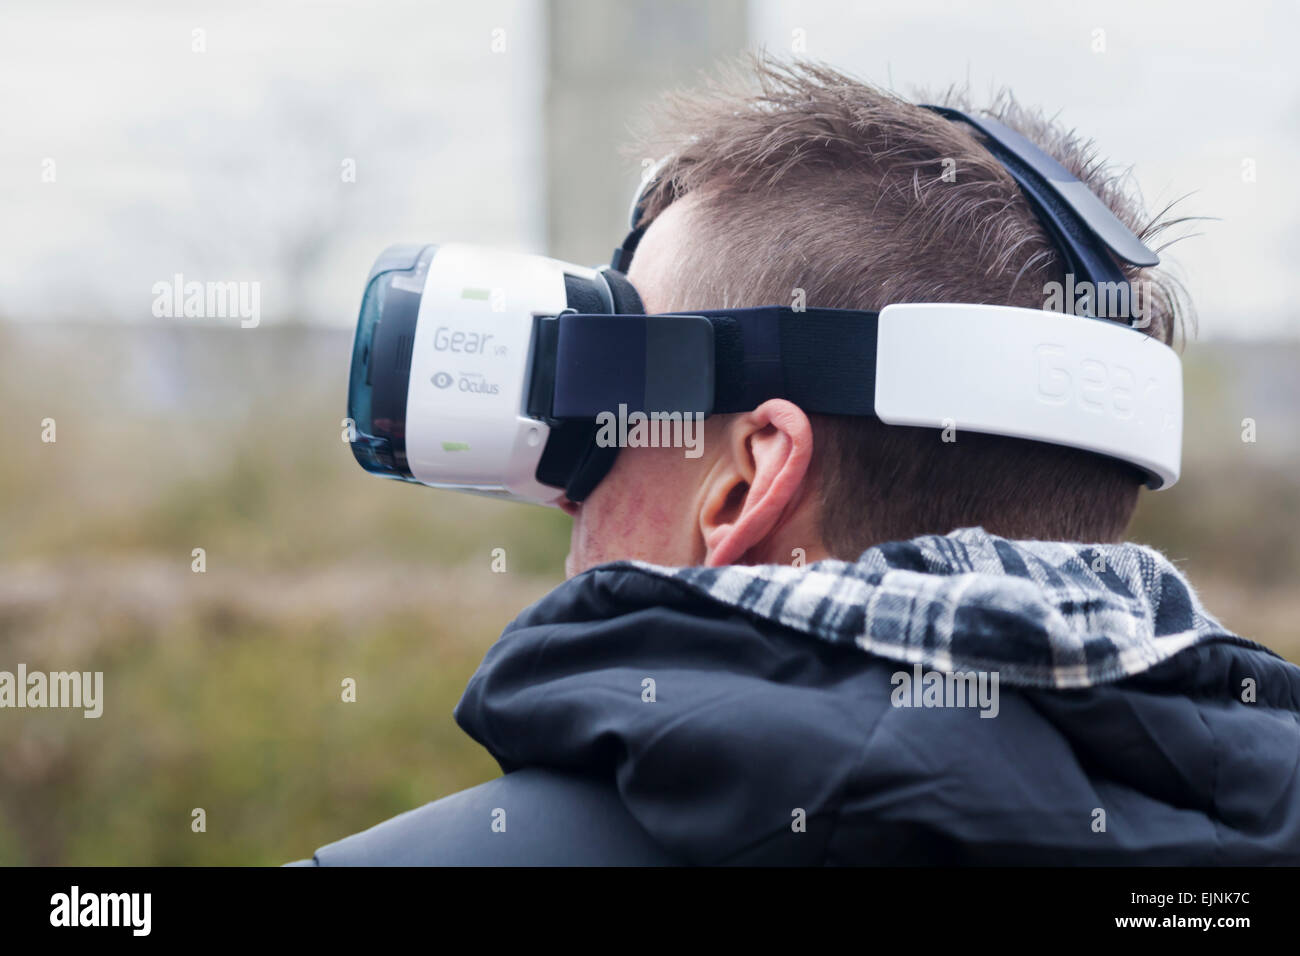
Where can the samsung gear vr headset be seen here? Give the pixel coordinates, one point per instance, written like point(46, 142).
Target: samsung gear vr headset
point(485, 371)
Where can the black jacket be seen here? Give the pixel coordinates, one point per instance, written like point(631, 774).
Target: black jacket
point(650, 716)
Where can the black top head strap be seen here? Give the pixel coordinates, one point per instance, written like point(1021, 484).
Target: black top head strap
point(1088, 234)
point(622, 258)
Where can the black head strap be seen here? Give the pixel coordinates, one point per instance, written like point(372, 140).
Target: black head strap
point(1084, 229)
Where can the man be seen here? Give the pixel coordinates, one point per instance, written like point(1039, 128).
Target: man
point(829, 640)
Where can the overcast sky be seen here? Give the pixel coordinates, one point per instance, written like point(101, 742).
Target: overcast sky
point(225, 163)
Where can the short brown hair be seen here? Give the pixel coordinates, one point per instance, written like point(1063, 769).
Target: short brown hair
point(809, 179)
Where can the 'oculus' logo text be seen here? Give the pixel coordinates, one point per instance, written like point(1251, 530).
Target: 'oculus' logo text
point(472, 382)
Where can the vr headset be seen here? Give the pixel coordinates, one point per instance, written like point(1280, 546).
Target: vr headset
point(487, 372)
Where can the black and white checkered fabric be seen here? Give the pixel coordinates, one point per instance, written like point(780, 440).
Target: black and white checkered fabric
point(1041, 614)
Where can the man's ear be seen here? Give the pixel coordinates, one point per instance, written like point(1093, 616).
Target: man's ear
point(756, 482)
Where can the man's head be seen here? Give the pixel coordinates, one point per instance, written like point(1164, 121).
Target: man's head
point(809, 187)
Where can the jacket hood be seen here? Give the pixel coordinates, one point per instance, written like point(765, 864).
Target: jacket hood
point(956, 698)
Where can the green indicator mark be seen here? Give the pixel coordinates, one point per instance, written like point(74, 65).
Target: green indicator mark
point(455, 446)
point(480, 294)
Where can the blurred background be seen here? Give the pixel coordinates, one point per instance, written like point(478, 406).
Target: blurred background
point(287, 144)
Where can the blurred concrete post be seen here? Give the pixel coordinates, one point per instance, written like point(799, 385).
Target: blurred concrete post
point(607, 61)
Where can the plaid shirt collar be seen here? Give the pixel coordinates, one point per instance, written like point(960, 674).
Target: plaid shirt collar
point(1040, 613)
